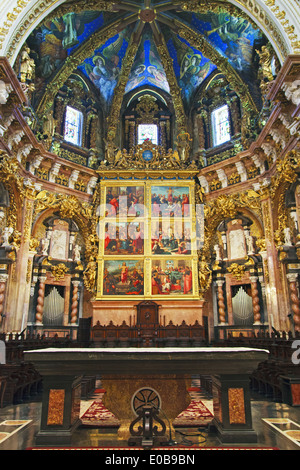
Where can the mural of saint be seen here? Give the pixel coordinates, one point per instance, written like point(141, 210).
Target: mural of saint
point(104, 67)
point(52, 40)
point(191, 67)
point(147, 68)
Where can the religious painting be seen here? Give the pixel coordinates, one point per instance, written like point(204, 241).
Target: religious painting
point(104, 67)
point(124, 238)
point(172, 277)
point(170, 201)
point(234, 38)
point(124, 201)
point(190, 66)
point(123, 277)
point(53, 41)
point(147, 68)
point(170, 237)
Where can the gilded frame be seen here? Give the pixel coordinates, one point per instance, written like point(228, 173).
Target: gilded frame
point(148, 259)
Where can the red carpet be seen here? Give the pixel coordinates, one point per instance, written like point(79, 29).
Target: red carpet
point(98, 415)
point(195, 415)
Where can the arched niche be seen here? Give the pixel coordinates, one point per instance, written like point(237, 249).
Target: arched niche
point(147, 106)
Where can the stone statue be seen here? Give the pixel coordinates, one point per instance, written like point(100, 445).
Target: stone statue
point(7, 232)
point(249, 240)
point(3, 92)
point(77, 250)
point(287, 237)
point(218, 253)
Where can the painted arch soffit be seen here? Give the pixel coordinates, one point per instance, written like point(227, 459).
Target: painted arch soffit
point(279, 20)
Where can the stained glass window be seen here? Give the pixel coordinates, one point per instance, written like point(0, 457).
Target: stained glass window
point(221, 125)
point(73, 126)
point(147, 131)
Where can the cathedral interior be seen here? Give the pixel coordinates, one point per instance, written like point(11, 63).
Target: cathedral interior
point(150, 185)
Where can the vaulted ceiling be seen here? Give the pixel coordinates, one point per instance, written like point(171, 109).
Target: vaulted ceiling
point(169, 46)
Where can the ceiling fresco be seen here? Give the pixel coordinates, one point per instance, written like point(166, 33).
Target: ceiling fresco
point(104, 67)
point(56, 39)
point(147, 68)
point(190, 66)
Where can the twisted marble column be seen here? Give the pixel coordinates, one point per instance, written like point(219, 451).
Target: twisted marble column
point(294, 296)
point(40, 301)
point(255, 300)
point(74, 306)
point(221, 303)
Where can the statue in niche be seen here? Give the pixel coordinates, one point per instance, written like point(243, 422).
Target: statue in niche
point(77, 250)
point(287, 237)
point(249, 240)
point(3, 92)
point(7, 232)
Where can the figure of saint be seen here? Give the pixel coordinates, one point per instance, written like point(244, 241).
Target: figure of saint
point(110, 148)
point(124, 273)
point(27, 66)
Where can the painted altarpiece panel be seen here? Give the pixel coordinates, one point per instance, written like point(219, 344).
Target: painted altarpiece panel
point(128, 265)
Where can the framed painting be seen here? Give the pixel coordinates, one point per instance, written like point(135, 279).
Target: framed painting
point(170, 201)
point(172, 277)
point(123, 277)
point(124, 238)
point(124, 201)
point(170, 237)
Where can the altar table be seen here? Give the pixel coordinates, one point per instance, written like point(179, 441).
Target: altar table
point(63, 369)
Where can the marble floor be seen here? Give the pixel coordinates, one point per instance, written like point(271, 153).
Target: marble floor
point(276, 424)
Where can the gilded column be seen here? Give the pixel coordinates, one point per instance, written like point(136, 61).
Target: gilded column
point(294, 296)
point(40, 301)
point(221, 302)
point(255, 300)
point(74, 306)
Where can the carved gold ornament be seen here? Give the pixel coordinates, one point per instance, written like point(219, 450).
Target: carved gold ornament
point(59, 271)
point(237, 270)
